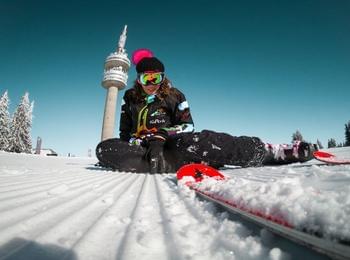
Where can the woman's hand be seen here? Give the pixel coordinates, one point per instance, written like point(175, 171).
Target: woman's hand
point(135, 141)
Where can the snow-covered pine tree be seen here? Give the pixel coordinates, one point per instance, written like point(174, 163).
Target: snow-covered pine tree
point(297, 136)
point(347, 134)
point(319, 144)
point(332, 143)
point(4, 122)
point(20, 141)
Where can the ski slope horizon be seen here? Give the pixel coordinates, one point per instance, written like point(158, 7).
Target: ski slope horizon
point(64, 207)
point(86, 146)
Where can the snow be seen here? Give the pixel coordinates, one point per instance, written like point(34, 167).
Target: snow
point(65, 208)
point(315, 198)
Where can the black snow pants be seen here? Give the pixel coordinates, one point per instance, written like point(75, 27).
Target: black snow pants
point(213, 148)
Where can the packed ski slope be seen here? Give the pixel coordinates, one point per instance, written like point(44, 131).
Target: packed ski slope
point(65, 208)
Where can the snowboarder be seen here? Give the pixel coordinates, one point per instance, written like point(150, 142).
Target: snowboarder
point(157, 131)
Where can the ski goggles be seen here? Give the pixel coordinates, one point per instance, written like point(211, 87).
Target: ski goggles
point(151, 78)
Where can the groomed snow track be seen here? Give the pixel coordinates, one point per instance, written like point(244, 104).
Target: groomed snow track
point(65, 208)
point(99, 216)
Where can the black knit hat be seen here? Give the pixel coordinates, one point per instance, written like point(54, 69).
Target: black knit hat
point(149, 64)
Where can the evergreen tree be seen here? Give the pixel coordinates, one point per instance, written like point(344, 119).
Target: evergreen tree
point(347, 134)
point(332, 143)
point(20, 141)
point(319, 144)
point(4, 122)
point(297, 136)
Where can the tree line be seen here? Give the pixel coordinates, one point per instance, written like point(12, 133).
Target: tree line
point(297, 136)
point(332, 142)
point(15, 130)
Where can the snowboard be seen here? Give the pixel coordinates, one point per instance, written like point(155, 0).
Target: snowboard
point(198, 172)
point(330, 158)
point(193, 174)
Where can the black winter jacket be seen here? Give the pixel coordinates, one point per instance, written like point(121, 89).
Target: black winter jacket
point(152, 114)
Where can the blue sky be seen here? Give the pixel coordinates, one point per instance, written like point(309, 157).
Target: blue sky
point(262, 68)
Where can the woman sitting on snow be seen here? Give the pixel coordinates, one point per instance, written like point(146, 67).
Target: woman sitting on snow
point(157, 132)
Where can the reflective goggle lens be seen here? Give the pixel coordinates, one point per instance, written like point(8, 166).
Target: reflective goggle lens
point(151, 78)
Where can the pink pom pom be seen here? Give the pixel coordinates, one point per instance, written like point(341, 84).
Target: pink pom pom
point(140, 54)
